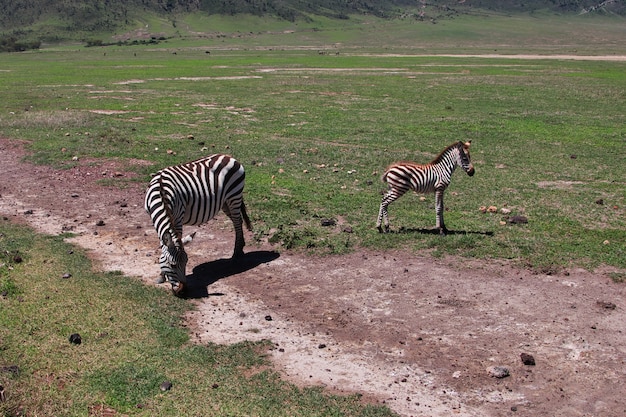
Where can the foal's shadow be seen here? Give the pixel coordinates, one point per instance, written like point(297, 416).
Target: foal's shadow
point(207, 273)
point(435, 231)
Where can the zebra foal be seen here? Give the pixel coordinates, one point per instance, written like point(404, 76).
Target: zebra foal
point(432, 177)
point(192, 194)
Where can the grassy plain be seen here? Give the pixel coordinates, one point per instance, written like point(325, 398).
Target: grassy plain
point(315, 115)
point(316, 130)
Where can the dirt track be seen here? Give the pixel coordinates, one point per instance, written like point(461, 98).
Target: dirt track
point(413, 332)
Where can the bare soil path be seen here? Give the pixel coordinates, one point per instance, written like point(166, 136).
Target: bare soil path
point(416, 333)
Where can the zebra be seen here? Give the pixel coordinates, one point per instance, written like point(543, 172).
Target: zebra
point(432, 177)
point(191, 194)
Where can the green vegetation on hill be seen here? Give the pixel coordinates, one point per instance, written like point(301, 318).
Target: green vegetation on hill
point(30, 22)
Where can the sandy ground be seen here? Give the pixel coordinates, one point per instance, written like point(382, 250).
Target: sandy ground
point(418, 334)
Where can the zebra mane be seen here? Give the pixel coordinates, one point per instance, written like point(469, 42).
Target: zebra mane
point(439, 157)
point(168, 212)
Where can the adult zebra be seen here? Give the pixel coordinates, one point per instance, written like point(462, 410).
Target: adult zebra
point(432, 177)
point(192, 194)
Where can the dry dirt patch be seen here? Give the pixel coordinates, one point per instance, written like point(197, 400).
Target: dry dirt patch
point(408, 330)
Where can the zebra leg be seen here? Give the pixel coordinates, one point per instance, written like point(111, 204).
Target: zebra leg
point(439, 211)
point(234, 213)
point(388, 198)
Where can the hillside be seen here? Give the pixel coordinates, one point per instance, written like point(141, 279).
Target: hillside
point(26, 23)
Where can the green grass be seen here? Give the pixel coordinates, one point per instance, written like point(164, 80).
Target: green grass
point(132, 342)
point(528, 117)
point(315, 132)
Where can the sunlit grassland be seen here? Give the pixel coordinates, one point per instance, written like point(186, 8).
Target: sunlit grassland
point(316, 131)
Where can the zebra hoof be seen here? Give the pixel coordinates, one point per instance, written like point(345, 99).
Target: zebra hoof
point(381, 230)
point(443, 231)
point(178, 288)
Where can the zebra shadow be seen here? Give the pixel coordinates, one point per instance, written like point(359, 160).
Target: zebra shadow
point(208, 273)
point(435, 231)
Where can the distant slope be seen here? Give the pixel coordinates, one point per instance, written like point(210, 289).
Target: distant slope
point(57, 20)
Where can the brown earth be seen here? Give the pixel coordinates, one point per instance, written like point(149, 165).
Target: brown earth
point(404, 329)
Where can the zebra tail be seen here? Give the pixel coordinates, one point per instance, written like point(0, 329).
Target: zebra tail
point(244, 215)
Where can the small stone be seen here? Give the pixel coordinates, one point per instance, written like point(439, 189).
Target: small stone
point(67, 275)
point(527, 359)
point(492, 209)
point(268, 318)
point(518, 220)
point(600, 201)
point(328, 222)
point(498, 371)
point(100, 223)
point(321, 346)
point(75, 339)
point(11, 369)
point(606, 305)
point(166, 386)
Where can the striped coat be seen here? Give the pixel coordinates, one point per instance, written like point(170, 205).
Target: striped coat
point(192, 194)
point(433, 177)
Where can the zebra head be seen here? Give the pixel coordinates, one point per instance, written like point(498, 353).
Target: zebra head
point(464, 158)
point(173, 262)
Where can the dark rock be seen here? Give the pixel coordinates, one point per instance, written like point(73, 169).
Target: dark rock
point(100, 223)
point(328, 222)
point(607, 305)
point(518, 220)
point(527, 359)
point(268, 318)
point(11, 369)
point(166, 386)
point(75, 339)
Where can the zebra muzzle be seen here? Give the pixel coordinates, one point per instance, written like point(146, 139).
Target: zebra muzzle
point(178, 288)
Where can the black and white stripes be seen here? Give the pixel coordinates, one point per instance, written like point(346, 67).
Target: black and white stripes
point(192, 194)
point(433, 177)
